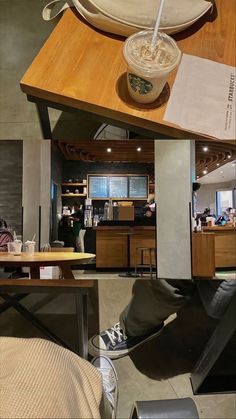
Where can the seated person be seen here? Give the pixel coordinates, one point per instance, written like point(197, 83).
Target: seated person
point(225, 217)
point(227, 214)
point(152, 302)
point(5, 235)
point(39, 379)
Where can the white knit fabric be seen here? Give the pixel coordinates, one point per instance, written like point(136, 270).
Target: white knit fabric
point(39, 379)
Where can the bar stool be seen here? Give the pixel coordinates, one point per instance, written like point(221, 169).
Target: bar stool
point(151, 253)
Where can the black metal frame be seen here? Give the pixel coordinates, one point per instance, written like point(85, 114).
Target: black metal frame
point(42, 106)
point(81, 300)
point(201, 380)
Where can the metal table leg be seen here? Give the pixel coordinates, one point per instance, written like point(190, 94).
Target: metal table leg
point(81, 302)
point(7, 304)
point(12, 301)
point(44, 120)
point(201, 382)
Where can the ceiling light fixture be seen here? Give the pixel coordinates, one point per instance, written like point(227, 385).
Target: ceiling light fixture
point(205, 148)
point(229, 156)
point(204, 172)
point(109, 150)
point(217, 164)
point(139, 149)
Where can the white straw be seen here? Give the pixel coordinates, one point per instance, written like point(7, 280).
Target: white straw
point(33, 238)
point(14, 235)
point(154, 38)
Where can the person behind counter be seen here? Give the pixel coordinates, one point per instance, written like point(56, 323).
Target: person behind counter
point(77, 219)
point(150, 207)
point(5, 235)
point(146, 214)
point(203, 216)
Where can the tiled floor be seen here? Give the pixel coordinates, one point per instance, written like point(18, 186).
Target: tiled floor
point(158, 370)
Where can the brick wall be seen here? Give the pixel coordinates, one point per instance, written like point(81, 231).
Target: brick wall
point(11, 156)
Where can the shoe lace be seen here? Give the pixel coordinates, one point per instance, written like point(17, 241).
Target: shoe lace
point(115, 333)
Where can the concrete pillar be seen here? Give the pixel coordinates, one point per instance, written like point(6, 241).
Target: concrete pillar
point(174, 174)
point(36, 189)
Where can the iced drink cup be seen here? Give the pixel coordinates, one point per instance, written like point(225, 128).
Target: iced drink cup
point(14, 247)
point(149, 67)
point(30, 247)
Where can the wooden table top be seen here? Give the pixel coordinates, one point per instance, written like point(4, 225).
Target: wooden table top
point(83, 68)
point(44, 258)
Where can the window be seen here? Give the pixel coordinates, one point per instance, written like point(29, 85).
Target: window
point(224, 199)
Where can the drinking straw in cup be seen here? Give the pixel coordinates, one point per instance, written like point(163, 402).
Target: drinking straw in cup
point(150, 56)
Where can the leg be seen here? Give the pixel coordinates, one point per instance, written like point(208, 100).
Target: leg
point(39, 369)
point(44, 121)
point(77, 243)
point(142, 320)
point(152, 302)
point(66, 272)
point(34, 272)
point(81, 302)
point(81, 240)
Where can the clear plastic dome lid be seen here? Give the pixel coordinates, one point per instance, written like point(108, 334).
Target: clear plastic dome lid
point(139, 53)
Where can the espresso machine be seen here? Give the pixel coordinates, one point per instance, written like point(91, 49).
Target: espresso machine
point(88, 213)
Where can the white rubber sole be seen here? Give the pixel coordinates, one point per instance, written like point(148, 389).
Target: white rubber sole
point(94, 351)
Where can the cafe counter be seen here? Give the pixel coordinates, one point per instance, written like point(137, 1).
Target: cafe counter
point(225, 245)
point(112, 244)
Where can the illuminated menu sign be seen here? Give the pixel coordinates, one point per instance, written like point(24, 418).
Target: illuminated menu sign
point(138, 186)
point(118, 187)
point(98, 187)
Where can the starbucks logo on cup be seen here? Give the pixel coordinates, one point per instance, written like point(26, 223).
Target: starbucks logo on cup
point(139, 85)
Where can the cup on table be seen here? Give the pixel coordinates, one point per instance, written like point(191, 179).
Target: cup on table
point(149, 67)
point(15, 247)
point(30, 247)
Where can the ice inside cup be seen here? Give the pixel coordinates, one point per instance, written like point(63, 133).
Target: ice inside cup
point(149, 67)
point(30, 247)
point(10, 247)
point(14, 247)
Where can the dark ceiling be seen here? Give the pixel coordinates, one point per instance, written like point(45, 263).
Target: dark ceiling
point(217, 154)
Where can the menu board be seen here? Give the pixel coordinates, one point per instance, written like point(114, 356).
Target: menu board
point(98, 187)
point(118, 187)
point(138, 186)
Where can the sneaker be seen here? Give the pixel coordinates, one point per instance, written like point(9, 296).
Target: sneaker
point(109, 381)
point(114, 343)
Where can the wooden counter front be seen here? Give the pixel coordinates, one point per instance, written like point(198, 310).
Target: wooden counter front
point(203, 255)
point(111, 244)
point(225, 245)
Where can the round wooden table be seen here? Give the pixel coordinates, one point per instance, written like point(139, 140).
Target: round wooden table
point(62, 259)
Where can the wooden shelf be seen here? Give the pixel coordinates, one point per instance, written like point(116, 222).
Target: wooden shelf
point(73, 195)
point(73, 184)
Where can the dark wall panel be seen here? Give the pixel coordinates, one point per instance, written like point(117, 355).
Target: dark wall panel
point(76, 169)
point(11, 160)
